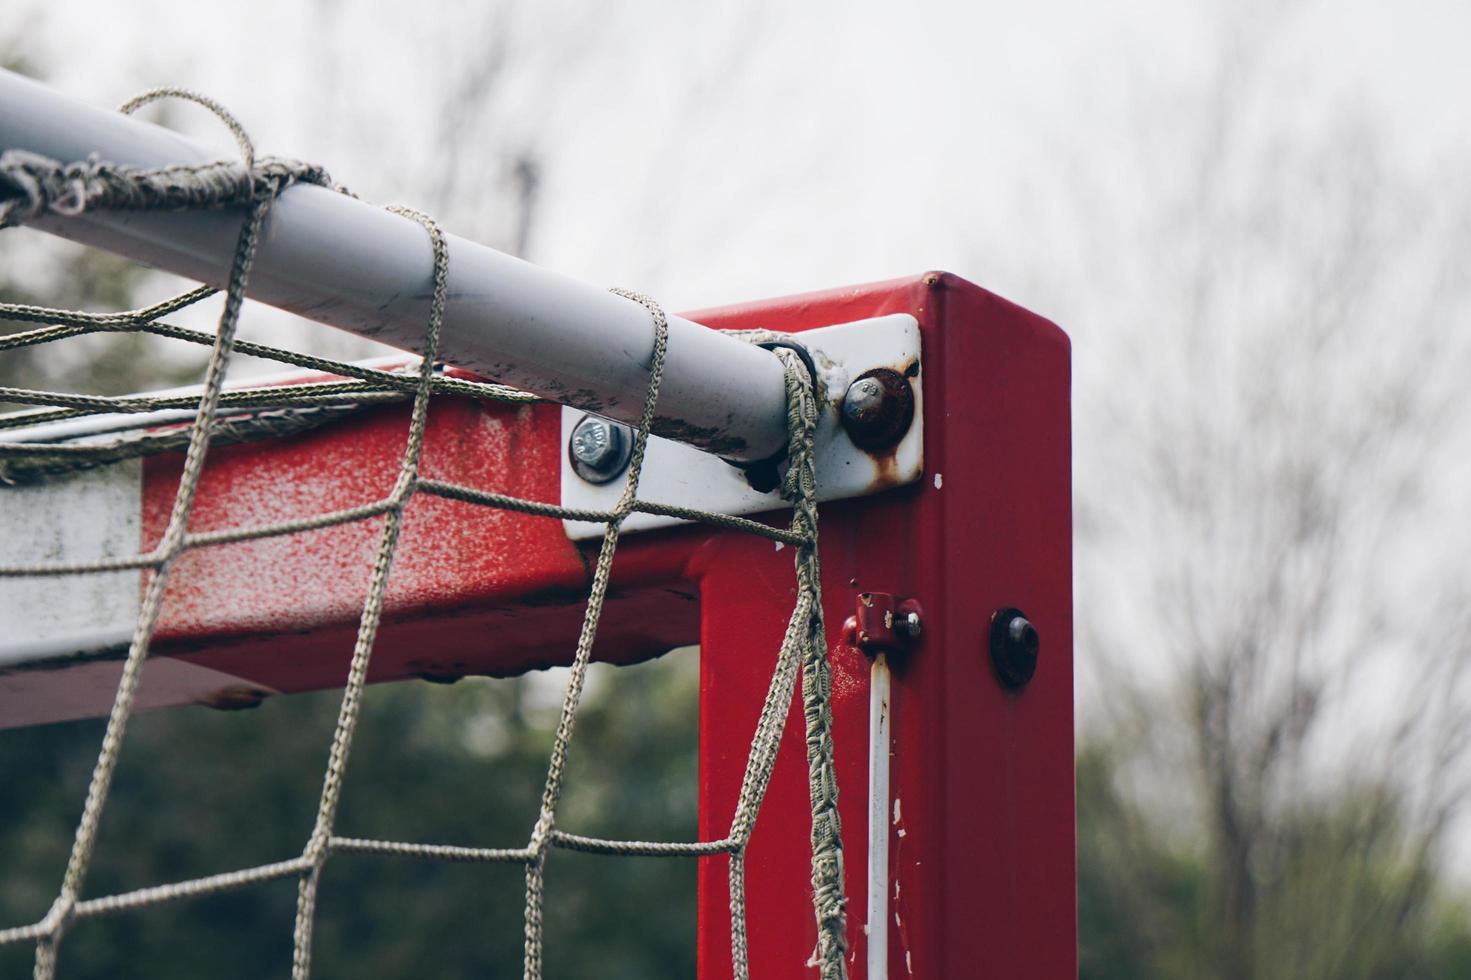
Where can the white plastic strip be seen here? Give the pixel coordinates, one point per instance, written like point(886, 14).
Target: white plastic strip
point(877, 926)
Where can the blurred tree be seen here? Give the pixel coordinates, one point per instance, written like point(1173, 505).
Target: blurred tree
point(1345, 904)
point(1273, 621)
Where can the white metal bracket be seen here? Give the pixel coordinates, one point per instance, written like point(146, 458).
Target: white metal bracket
point(677, 474)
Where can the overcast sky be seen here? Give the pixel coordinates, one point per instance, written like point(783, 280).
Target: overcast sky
point(718, 151)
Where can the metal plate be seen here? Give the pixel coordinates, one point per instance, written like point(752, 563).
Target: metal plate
point(679, 475)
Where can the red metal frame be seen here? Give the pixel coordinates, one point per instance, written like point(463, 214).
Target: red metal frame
point(982, 845)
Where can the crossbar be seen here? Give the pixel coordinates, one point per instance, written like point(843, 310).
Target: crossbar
point(339, 261)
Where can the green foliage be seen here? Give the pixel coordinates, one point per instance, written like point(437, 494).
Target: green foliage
point(200, 791)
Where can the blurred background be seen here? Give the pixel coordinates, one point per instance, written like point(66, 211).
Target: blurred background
point(1254, 220)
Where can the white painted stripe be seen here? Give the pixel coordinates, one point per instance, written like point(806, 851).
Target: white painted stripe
point(877, 927)
point(85, 516)
point(111, 423)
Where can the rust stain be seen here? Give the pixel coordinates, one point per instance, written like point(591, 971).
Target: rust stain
point(886, 472)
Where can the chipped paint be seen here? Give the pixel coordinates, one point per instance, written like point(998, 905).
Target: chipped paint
point(84, 516)
point(901, 930)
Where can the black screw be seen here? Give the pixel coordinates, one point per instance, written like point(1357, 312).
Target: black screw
point(1015, 643)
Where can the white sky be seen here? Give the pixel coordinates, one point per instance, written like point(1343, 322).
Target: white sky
point(717, 151)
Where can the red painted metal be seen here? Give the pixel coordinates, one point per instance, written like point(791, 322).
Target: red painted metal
point(982, 857)
point(982, 846)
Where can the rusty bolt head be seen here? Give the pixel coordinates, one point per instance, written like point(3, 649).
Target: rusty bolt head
point(1014, 644)
point(599, 449)
point(878, 409)
point(864, 398)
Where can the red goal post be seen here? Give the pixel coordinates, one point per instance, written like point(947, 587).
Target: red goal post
point(978, 820)
point(945, 547)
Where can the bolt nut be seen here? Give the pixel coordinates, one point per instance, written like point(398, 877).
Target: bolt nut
point(598, 449)
point(908, 626)
point(1014, 644)
point(878, 409)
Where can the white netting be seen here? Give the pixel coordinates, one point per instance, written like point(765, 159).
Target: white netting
point(31, 185)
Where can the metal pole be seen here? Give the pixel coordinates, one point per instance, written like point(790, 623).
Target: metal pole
point(352, 265)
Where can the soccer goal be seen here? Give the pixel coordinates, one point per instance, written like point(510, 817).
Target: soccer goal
point(856, 502)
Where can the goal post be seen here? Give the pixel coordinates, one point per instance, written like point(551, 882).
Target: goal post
point(979, 815)
point(945, 570)
point(348, 264)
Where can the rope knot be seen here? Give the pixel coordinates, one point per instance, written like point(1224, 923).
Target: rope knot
point(29, 185)
point(32, 185)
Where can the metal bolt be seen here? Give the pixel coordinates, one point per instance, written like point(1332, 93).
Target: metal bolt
point(878, 408)
point(1014, 644)
point(599, 449)
point(908, 626)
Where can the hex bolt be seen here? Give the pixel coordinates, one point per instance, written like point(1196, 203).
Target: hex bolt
point(878, 408)
point(1015, 644)
point(598, 449)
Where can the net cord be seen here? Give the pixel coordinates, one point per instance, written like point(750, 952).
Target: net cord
point(31, 185)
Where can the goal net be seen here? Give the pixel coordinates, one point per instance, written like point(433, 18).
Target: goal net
point(32, 185)
point(552, 475)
